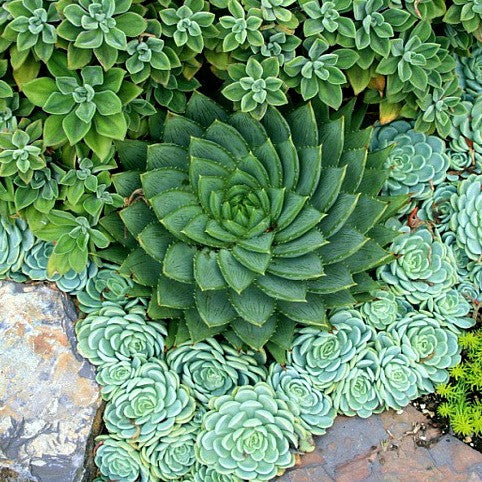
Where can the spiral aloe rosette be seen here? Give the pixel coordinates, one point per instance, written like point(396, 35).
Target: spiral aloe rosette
point(357, 393)
point(15, 242)
point(147, 406)
point(430, 348)
point(108, 286)
point(384, 309)
point(112, 335)
point(118, 460)
point(416, 164)
point(466, 221)
point(424, 266)
point(212, 369)
point(451, 309)
point(313, 408)
point(252, 224)
point(172, 456)
point(325, 355)
point(248, 434)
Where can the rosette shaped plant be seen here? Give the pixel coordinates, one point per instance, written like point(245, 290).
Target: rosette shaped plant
point(470, 72)
point(82, 107)
point(325, 355)
point(469, 14)
point(357, 392)
point(112, 375)
point(203, 473)
point(424, 266)
point(32, 28)
point(16, 240)
point(147, 407)
point(438, 208)
point(252, 224)
point(248, 434)
point(397, 379)
point(108, 286)
point(313, 408)
point(118, 460)
point(466, 221)
point(430, 348)
point(451, 310)
point(112, 334)
point(279, 45)
point(212, 369)
point(279, 11)
point(172, 456)
point(384, 310)
point(416, 163)
point(99, 26)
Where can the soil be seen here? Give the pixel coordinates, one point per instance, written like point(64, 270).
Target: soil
point(428, 404)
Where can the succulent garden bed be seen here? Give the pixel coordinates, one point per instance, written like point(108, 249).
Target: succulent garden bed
point(269, 213)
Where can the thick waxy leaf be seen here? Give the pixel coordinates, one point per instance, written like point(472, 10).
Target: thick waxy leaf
point(306, 243)
point(126, 182)
point(343, 244)
point(253, 305)
point(162, 179)
point(198, 329)
point(113, 224)
point(366, 214)
point(337, 277)
point(308, 218)
point(338, 300)
point(236, 275)
point(304, 267)
point(310, 170)
point(338, 214)
point(179, 130)
point(167, 202)
point(203, 110)
point(369, 256)
point(228, 137)
point(293, 204)
point(205, 149)
point(137, 216)
point(154, 239)
point(214, 307)
point(328, 188)
point(178, 262)
point(258, 244)
point(196, 230)
point(206, 271)
point(254, 336)
point(173, 294)
point(303, 126)
point(156, 312)
point(331, 138)
point(257, 262)
point(141, 267)
point(354, 160)
point(310, 312)
point(167, 155)
point(282, 288)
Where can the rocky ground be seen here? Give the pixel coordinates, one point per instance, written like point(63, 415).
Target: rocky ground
point(50, 412)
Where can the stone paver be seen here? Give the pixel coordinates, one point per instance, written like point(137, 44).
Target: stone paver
point(48, 395)
point(388, 447)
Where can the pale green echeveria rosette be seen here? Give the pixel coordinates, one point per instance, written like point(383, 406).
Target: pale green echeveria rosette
point(449, 238)
point(471, 292)
point(438, 208)
point(35, 267)
point(325, 355)
point(248, 434)
point(113, 334)
point(203, 473)
point(417, 162)
point(431, 348)
point(16, 240)
point(357, 393)
point(466, 221)
point(118, 460)
point(149, 405)
point(451, 309)
point(107, 285)
point(423, 266)
point(313, 408)
point(110, 376)
point(211, 369)
point(469, 71)
point(172, 456)
point(396, 378)
point(384, 309)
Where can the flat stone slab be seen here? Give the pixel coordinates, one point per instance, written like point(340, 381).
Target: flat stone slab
point(48, 395)
point(387, 447)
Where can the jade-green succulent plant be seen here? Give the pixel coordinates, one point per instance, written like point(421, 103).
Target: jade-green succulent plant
point(438, 208)
point(417, 162)
point(466, 220)
point(212, 369)
point(277, 44)
point(32, 28)
point(249, 434)
point(424, 266)
point(313, 408)
point(469, 14)
point(203, 473)
point(16, 240)
point(357, 393)
point(239, 232)
point(384, 309)
point(113, 374)
point(324, 356)
point(149, 405)
point(431, 348)
point(172, 457)
point(112, 334)
point(118, 460)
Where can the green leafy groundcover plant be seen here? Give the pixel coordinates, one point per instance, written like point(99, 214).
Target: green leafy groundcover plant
point(250, 266)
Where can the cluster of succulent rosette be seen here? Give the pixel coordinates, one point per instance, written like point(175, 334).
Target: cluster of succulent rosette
point(269, 212)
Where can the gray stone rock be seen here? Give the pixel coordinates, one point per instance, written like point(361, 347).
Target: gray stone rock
point(48, 395)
